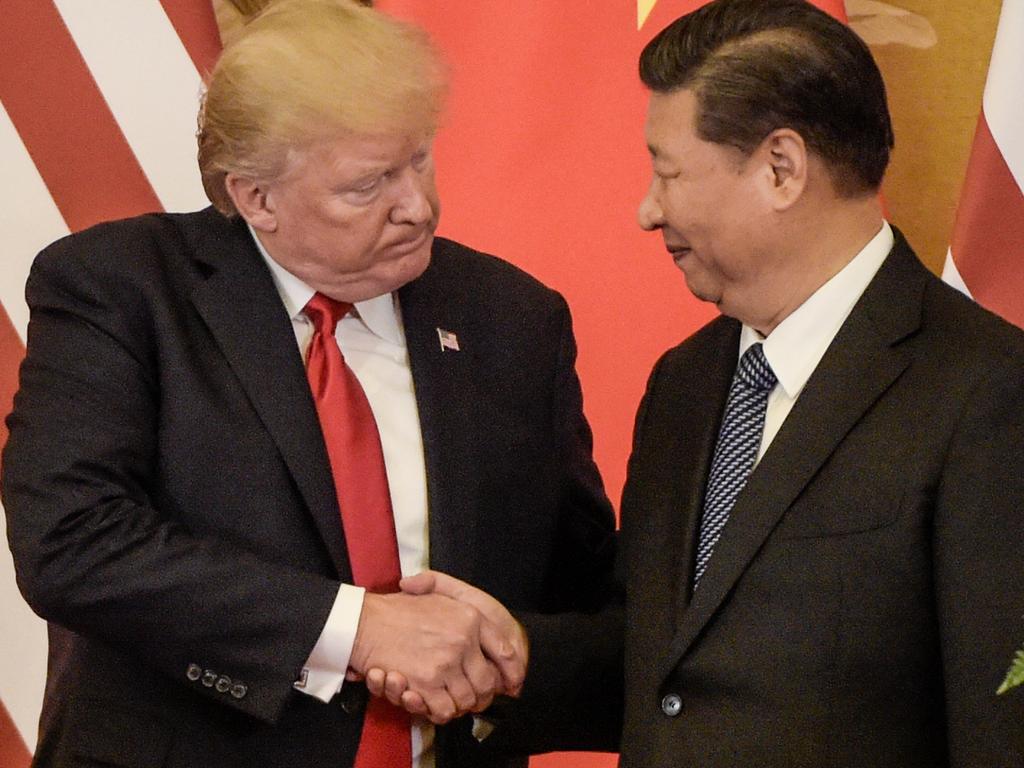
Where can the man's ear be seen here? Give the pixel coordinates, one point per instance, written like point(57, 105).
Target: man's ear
point(252, 201)
point(786, 163)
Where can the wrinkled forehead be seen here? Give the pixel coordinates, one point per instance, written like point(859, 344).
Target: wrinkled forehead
point(349, 154)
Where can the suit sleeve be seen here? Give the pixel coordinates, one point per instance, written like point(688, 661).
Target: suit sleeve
point(94, 551)
point(572, 699)
point(979, 563)
point(581, 573)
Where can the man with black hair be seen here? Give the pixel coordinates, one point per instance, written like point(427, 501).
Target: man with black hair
point(822, 522)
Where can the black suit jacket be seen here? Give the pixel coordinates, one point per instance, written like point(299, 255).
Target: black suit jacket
point(866, 596)
point(170, 503)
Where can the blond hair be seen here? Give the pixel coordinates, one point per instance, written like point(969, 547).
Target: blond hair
point(307, 70)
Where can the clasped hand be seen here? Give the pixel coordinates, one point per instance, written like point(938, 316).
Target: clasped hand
point(440, 648)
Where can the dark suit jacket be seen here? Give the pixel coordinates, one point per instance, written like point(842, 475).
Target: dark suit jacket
point(170, 504)
point(867, 593)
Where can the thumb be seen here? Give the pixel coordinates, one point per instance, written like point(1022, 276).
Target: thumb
point(503, 655)
point(456, 589)
point(422, 583)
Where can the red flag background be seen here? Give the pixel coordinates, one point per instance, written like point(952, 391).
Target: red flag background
point(541, 160)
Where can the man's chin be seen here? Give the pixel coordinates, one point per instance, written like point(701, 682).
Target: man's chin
point(702, 291)
point(409, 267)
point(420, 263)
point(383, 278)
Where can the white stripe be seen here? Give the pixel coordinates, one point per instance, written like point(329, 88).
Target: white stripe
point(151, 85)
point(22, 652)
point(1004, 108)
point(952, 275)
point(29, 220)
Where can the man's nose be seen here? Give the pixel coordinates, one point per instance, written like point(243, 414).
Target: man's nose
point(649, 215)
point(412, 200)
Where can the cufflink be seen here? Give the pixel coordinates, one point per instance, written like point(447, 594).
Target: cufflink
point(482, 728)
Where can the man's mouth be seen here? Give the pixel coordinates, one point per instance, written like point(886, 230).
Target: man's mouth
point(411, 244)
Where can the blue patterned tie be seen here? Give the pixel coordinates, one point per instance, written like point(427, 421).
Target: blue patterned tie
point(736, 450)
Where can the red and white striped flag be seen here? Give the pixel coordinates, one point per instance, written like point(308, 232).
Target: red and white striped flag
point(986, 256)
point(97, 121)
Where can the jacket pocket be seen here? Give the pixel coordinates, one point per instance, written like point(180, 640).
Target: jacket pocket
point(839, 514)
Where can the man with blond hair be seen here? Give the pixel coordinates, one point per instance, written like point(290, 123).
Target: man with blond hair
point(238, 428)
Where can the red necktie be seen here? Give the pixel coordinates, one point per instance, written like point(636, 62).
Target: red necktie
point(361, 483)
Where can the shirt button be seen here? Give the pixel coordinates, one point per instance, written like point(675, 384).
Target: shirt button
point(238, 690)
point(223, 684)
point(672, 704)
point(209, 678)
point(194, 672)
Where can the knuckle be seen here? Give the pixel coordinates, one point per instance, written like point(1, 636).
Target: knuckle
point(442, 709)
point(468, 614)
point(436, 677)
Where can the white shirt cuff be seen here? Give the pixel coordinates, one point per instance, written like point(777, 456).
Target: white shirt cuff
point(324, 672)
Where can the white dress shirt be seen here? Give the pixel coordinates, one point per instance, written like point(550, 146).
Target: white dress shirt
point(798, 343)
point(372, 340)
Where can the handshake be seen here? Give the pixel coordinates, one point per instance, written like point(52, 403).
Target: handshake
point(440, 648)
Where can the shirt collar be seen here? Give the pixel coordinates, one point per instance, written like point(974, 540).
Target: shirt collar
point(380, 314)
point(798, 343)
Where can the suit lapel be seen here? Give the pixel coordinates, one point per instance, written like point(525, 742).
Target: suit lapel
point(240, 305)
point(446, 390)
point(862, 362)
point(711, 371)
point(661, 502)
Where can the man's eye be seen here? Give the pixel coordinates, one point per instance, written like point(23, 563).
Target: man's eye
point(363, 193)
point(366, 187)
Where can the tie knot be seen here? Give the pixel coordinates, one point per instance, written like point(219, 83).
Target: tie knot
point(325, 312)
point(754, 371)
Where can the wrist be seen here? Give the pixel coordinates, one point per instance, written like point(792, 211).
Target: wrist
point(362, 646)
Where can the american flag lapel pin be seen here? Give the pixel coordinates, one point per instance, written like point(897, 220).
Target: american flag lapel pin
point(448, 340)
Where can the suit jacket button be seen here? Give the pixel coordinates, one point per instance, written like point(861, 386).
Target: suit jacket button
point(223, 684)
point(209, 678)
point(194, 672)
point(350, 700)
point(672, 704)
point(238, 690)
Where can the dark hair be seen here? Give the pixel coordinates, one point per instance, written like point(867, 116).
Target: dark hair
point(759, 65)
